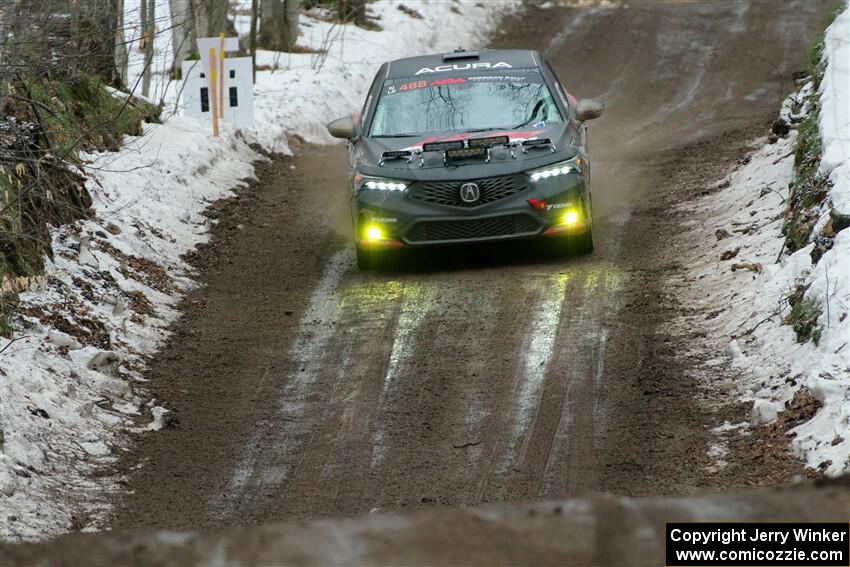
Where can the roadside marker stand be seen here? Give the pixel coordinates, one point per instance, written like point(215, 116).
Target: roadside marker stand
point(206, 82)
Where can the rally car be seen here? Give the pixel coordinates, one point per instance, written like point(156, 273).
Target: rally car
point(466, 147)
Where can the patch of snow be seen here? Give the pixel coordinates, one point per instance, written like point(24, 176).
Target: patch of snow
point(158, 422)
point(718, 453)
point(8, 482)
point(71, 384)
point(834, 119)
point(726, 426)
point(764, 412)
point(738, 359)
point(799, 101)
point(95, 448)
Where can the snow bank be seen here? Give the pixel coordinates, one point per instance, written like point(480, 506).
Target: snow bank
point(744, 299)
point(71, 385)
point(834, 120)
point(736, 302)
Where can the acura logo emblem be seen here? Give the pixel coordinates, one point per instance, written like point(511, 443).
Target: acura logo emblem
point(469, 192)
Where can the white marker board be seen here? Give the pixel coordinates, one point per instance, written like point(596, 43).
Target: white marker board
point(238, 91)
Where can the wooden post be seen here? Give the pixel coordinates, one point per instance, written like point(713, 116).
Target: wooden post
point(221, 76)
point(213, 85)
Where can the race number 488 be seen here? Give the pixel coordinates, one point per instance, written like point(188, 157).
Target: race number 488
point(413, 85)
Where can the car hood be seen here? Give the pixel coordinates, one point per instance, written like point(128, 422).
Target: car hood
point(369, 151)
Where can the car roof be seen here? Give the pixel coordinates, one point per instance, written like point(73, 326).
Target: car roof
point(487, 58)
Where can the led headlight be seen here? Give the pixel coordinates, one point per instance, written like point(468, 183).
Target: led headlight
point(570, 217)
point(374, 233)
point(379, 183)
point(560, 168)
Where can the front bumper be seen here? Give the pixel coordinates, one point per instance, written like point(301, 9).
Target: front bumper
point(385, 219)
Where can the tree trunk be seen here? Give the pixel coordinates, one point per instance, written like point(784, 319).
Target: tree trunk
point(148, 32)
point(122, 53)
point(182, 33)
point(201, 17)
point(358, 12)
point(99, 22)
point(279, 24)
point(210, 17)
point(352, 11)
point(252, 37)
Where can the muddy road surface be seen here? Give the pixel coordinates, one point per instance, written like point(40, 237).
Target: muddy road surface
point(301, 387)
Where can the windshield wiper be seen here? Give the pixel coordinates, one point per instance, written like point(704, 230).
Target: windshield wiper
point(397, 136)
point(523, 125)
point(531, 118)
point(480, 130)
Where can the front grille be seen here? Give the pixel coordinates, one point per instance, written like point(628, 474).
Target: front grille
point(433, 231)
point(448, 192)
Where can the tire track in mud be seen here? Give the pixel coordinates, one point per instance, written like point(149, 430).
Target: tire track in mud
point(571, 444)
point(415, 305)
point(431, 421)
point(547, 296)
point(307, 352)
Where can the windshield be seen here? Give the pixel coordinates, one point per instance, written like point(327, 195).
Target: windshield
point(480, 101)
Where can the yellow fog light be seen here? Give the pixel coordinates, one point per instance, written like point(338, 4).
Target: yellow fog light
point(570, 217)
point(373, 233)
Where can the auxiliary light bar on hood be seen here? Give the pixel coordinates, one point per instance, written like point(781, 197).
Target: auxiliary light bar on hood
point(442, 146)
point(488, 142)
point(468, 148)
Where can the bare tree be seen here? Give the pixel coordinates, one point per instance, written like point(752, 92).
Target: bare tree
point(99, 22)
point(210, 17)
point(148, 14)
point(252, 36)
point(182, 33)
point(279, 24)
point(122, 55)
point(352, 11)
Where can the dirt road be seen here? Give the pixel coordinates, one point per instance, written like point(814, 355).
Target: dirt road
point(303, 388)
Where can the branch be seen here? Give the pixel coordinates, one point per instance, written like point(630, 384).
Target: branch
point(13, 341)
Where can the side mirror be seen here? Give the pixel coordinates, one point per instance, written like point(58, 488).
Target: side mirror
point(343, 128)
point(588, 109)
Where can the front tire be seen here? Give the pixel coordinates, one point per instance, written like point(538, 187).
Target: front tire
point(583, 243)
point(366, 259)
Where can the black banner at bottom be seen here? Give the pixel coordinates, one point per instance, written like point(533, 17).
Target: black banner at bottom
point(758, 544)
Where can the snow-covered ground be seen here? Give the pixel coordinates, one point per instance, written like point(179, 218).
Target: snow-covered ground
point(834, 120)
point(71, 382)
point(740, 285)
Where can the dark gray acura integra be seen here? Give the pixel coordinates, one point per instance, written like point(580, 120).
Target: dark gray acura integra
point(468, 147)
